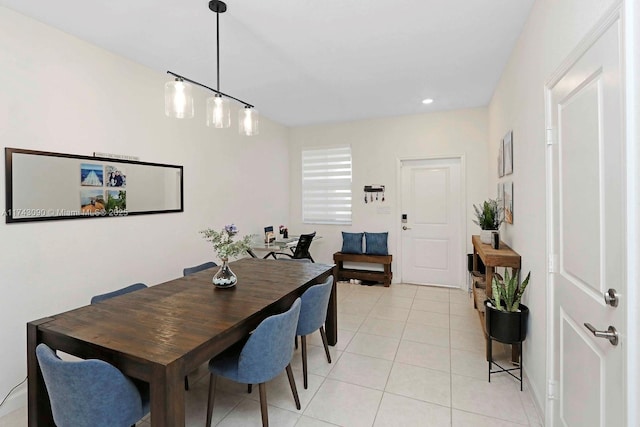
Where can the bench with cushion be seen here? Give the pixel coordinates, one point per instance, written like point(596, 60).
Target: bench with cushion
point(384, 276)
point(375, 252)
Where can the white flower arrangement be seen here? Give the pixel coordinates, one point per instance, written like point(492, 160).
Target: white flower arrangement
point(223, 243)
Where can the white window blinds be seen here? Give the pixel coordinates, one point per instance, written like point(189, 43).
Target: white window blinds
point(326, 186)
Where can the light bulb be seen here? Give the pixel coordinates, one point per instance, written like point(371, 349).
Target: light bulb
point(178, 101)
point(248, 121)
point(218, 112)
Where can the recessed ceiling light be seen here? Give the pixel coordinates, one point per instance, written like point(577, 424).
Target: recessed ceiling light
point(427, 101)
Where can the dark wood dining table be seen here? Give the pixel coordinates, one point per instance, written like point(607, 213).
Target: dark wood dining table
point(164, 332)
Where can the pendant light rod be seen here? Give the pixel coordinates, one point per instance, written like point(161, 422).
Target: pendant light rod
point(218, 49)
point(246, 104)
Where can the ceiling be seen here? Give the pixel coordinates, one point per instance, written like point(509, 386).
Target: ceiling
point(303, 62)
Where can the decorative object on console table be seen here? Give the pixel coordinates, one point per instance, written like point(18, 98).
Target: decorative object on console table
point(226, 248)
point(489, 216)
point(495, 240)
point(506, 318)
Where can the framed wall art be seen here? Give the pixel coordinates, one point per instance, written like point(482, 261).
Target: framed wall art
point(507, 146)
point(508, 202)
point(42, 186)
point(500, 160)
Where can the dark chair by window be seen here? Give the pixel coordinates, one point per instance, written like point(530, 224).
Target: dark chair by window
point(91, 393)
point(301, 249)
point(192, 270)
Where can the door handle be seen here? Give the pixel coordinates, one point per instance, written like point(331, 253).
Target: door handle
point(404, 227)
point(611, 297)
point(611, 333)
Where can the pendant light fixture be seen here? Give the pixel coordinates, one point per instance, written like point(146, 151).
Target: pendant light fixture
point(179, 99)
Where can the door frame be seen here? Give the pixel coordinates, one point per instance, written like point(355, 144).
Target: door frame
point(629, 38)
point(463, 198)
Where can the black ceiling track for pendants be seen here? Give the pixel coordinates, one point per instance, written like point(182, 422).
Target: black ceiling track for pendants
point(218, 7)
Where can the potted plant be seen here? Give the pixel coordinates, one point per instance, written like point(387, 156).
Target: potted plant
point(226, 248)
point(505, 317)
point(489, 216)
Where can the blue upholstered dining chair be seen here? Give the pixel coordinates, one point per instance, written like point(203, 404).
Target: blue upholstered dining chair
point(91, 393)
point(301, 249)
point(313, 313)
point(263, 356)
point(125, 290)
point(192, 270)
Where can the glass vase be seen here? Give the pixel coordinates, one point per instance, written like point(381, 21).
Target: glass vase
point(224, 277)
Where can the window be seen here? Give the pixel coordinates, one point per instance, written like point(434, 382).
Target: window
point(326, 186)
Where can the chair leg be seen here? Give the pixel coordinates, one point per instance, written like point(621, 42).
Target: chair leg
point(249, 388)
point(295, 340)
point(326, 343)
point(212, 387)
point(186, 383)
point(262, 388)
point(292, 383)
point(303, 340)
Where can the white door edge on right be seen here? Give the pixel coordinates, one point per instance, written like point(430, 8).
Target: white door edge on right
point(586, 233)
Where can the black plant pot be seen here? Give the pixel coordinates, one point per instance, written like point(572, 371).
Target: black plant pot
point(506, 327)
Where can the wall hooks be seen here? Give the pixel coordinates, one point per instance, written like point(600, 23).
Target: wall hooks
point(369, 191)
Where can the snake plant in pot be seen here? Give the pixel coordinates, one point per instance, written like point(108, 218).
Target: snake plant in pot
point(489, 216)
point(505, 317)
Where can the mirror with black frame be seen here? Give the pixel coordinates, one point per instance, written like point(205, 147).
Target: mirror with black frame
point(44, 186)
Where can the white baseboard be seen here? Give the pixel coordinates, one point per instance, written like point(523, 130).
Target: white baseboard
point(17, 400)
point(535, 398)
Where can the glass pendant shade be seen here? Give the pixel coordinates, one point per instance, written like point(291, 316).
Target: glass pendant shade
point(248, 121)
point(218, 112)
point(178, 100)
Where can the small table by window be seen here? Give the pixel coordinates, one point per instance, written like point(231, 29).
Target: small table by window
point(273, 247)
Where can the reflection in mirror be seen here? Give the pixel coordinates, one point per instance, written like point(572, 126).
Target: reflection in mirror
point(49, 186)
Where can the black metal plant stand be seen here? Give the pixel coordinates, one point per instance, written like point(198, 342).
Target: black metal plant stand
point(502, 368)
point(507, 328)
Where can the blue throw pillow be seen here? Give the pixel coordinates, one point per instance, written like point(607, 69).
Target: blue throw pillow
point(352, 243)
point(376, 243)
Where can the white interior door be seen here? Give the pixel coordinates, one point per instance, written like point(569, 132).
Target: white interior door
point(587, 236)
point(432, 234)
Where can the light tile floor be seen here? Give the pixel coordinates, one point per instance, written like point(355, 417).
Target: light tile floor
point(406, 356)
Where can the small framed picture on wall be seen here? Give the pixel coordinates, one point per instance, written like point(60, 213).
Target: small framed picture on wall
point(508, 202)
point(507, 146)
point(500, 160)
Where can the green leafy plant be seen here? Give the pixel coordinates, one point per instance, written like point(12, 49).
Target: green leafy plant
point(507, 293)
point(489, 215)
point(223, 243)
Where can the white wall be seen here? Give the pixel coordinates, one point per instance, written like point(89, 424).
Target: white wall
point(553, 29)
point(376, 146)
point(60, 94)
